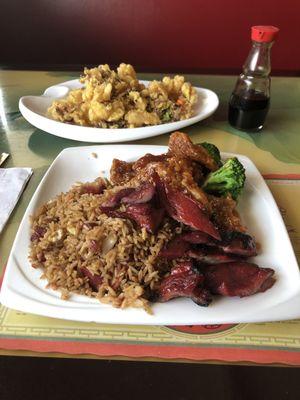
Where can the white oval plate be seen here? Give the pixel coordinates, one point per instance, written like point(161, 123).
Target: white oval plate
point(34, 108)
point(23, 290)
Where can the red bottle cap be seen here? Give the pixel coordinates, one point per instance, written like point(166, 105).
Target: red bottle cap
point(264, 33)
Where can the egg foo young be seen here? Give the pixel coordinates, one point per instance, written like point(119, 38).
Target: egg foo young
point(116, 99)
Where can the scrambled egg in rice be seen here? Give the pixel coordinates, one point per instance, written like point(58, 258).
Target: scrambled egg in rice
point(116, 99)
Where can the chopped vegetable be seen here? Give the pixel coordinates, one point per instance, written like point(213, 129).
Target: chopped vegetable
point(180, 102)
point(108, 243)
point(229, 179)
point(213, 151)
point(167, 115)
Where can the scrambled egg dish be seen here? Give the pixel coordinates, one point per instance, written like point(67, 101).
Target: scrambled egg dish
point(116, 99)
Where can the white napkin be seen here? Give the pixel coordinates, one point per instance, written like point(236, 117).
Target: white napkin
point(12, 183)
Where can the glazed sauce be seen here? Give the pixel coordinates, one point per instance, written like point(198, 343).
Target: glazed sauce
point(248, 111)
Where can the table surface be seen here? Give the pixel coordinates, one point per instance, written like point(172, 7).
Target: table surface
point(275, 151)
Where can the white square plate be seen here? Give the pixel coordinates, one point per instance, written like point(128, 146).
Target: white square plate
point(24, 290)
point(34, 109)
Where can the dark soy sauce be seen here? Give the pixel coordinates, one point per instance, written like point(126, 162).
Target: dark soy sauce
point(248, 111)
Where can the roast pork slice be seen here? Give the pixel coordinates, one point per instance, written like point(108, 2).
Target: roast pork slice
point(115, 200)
point(185, 209)
point(238, 279)
point(238, 243)
point(184, 281)
point(142, 194)
point(176, 248)
point(210, 256)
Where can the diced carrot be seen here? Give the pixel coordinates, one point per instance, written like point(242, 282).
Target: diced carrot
point(180, 102)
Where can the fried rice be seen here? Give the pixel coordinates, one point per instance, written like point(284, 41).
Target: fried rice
point(73, 240)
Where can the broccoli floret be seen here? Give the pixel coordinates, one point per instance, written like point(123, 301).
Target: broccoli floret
point(229, 179)
point(214, 152)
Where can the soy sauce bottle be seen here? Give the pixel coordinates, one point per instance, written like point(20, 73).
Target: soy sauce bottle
point(250, 99)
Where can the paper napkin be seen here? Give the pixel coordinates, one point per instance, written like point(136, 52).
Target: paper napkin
point(12, 184)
